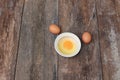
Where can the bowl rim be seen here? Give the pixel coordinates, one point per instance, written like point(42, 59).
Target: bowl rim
point(69, 34)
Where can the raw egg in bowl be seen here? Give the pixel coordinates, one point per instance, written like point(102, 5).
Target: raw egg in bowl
point(67, 44)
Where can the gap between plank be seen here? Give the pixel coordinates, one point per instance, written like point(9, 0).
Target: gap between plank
point(19, 38)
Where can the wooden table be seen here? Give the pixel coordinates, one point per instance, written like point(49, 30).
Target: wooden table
point(26, 46)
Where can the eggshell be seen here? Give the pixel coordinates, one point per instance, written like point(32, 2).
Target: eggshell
point(54, 29)
point(86, 37)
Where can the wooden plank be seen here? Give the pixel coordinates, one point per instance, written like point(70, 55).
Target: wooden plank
point(78, 16)
point(10, 21)
point(37, 59)
point(117, 6)
point(109, 32)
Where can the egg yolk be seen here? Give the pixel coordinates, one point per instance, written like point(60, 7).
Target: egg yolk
point(68, 45)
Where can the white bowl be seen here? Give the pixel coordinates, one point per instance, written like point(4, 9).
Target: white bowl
point(71, 35)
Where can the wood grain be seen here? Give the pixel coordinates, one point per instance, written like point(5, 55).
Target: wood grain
point(78, 16)
point(109, 32)
point(33, 57)
point(10, 20)
point(37, 59)
point(117, 6)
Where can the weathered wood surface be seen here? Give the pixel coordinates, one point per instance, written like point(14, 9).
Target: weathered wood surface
point(78, 16)
point(10, 21)
point(109, 33)
point(27, 47)
point(37, 59)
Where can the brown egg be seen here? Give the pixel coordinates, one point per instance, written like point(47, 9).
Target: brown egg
point(86, 37)
point(54, 29)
